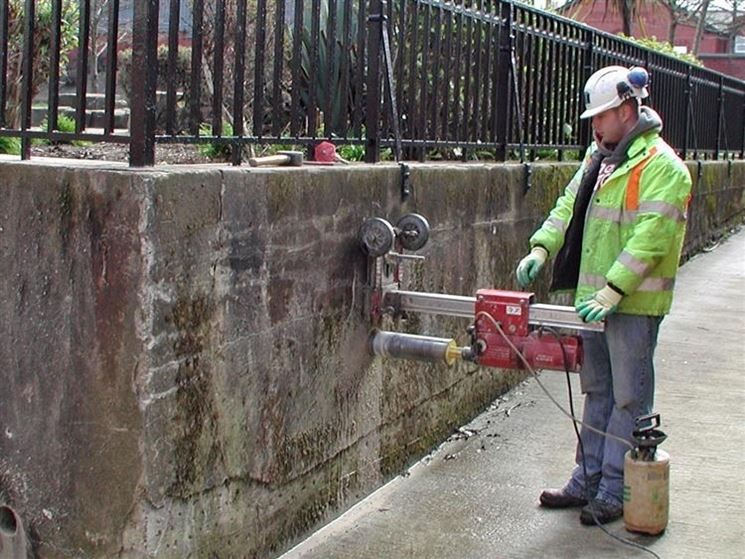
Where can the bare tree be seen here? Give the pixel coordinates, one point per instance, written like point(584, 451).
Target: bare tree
point(727, 17)
point(681, 11)
point(700, 26)
point(98, 43)
point(723, 16)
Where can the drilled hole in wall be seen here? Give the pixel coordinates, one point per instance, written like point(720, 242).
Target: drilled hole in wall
point(8, 521)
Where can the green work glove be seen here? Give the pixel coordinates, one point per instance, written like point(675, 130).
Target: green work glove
point(529, 266)
point(600, 305)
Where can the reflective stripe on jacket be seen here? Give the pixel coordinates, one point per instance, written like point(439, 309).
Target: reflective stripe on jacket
point(634, 227)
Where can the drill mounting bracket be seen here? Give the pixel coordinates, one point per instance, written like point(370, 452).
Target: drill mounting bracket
point(503, 322)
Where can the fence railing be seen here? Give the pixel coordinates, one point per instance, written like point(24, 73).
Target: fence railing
point(490, 78)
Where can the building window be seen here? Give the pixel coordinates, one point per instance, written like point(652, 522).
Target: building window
point(739, 46)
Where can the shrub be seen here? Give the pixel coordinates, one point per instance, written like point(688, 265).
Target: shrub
point(65, 123)
point(352, 152)
point(664, 47)
point(42, 44)
point(216, 150)
point(11, 146)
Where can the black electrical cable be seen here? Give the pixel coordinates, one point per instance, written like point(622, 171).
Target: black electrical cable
point(571, 415)
point(588, 497)
point(538, 380)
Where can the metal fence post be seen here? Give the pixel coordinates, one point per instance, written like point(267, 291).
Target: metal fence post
point(4, 16)
point(502, 96)
point(54, 65)
point(742, 146)
point(720, 102)
point(687, 122)
point(81, 85)
point(373, 98)
point(584, 126)
point(27, 66)
point(144, 56)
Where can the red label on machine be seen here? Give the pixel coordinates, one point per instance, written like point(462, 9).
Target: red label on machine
point(510, 310)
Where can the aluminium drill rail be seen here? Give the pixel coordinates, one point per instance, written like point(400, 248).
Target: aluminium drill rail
point(554, 316)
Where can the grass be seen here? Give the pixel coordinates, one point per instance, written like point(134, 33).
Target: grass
point(11, 146)
point(215, 150)
point(66, 124)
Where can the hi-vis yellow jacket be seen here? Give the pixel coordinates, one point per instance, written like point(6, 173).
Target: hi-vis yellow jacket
point(634, 227)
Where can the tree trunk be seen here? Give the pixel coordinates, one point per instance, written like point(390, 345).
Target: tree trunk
point(700, 26)
point(627, 15)
point(671, 6)
point(734, 27)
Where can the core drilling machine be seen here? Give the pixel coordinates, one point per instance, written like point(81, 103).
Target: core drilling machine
point(508, 330)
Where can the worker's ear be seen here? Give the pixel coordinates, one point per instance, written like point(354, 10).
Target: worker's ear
point(629, 111)
point(622, 113)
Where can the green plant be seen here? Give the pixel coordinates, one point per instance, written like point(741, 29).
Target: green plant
point(66, 124)
point(547, 154)
point(336, 70)
point(664, 47)
point(42, 43)
point(11, 146)
point(386, 154)
point(216, 150)
point(352, 152)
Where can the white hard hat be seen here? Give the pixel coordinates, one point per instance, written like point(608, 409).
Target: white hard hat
point(610, 86)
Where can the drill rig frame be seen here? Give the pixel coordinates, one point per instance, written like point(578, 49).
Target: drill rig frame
point(503, 322)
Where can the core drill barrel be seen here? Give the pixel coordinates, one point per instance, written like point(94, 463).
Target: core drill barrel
point(410, 346)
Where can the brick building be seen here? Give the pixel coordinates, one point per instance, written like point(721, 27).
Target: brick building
point(718, 50)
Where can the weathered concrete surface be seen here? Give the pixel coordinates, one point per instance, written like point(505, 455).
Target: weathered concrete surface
point(717, 199)
point(184, 353)
point(71, 429)
point(476, 497)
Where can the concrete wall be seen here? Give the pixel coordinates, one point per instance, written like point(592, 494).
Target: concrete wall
point(718, 202)
point(183, 353)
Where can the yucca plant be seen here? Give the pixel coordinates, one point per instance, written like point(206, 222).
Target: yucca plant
point(336, 64)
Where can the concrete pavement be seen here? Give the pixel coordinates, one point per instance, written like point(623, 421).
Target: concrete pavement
point(477, 495)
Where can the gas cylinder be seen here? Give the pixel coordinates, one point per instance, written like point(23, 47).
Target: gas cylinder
point(646, 479)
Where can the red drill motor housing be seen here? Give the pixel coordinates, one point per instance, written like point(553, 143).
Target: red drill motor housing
point(511, 311)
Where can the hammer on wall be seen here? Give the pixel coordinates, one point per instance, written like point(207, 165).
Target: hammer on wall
point(287, 158)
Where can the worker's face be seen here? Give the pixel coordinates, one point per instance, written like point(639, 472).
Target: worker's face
point(611, 126)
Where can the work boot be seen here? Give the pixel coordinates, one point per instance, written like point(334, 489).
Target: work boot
point(560, 499)
point(604, 512)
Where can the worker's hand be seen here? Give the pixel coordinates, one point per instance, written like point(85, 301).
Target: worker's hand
point(529, 266)
point(600, 305)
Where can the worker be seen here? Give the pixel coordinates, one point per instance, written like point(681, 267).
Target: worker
point(615, 236)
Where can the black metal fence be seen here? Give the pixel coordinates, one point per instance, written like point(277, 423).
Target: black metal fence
point(409, 76)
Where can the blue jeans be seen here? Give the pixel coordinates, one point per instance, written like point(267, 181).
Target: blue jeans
point(617, 378)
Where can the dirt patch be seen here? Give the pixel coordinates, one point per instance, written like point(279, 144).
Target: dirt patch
point(165, 154)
